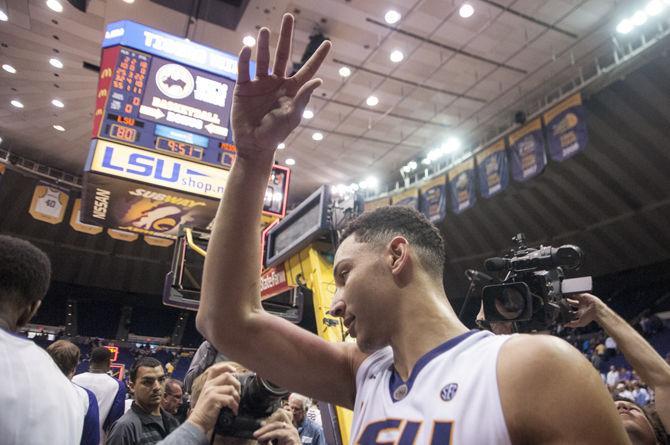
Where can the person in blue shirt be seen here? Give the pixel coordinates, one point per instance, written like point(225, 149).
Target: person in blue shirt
point(310, 432)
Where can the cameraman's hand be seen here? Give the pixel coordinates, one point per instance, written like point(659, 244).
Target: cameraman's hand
point(221, 390)
point(266, 109)
point(277, 433)
point(585, 307)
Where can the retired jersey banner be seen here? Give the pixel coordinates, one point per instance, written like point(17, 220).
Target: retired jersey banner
point(567, 134)
point(376, 204)
point(462, 185)
point(122, 235)
point(155, 241)
point(407, 198)
point(526, 147)
point(433, 201)
point(78, 225)
point(492, 169)
point(49, 203)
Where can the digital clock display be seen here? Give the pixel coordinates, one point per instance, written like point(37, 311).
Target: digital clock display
point(180, 148)
point(122, 133)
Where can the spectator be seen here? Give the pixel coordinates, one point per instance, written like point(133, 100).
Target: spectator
point(600, 349)
point(624, 391)
point(169, 369)
point(625, 374)
point(612, 377)
point(310, 432)
point(610, 344)
point(146, 422)
point(314, 413)
point(66, 356)
point(109, 392)
point(641, 394)
point(39, 404)
point(204, 357)
point(172, 396)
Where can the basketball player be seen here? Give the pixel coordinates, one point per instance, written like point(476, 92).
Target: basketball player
point(416, 374)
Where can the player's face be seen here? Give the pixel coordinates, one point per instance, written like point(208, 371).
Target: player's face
point(364, 288)
point(635, 423)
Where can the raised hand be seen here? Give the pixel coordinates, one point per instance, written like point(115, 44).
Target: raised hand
point(267, 108)
point(585, 308)
point(220, 390)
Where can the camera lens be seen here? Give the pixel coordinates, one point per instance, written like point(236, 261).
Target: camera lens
point(511, 303)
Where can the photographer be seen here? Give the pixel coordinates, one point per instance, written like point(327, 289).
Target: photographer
point(644, 359)
point(214, 390)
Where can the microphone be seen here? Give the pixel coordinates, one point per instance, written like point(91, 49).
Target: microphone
point(495, 264)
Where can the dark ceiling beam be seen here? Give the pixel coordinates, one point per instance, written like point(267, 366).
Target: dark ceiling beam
point(530, 18)
point(410, 82)
point(447, 47)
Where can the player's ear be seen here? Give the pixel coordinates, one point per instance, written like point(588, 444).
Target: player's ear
point(398, 254)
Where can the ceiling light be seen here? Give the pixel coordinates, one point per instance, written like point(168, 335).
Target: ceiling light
point(249, 41)
point(55, 5)
point(0, 140)
point(412, 165)
point(317, 136)
point(369, 183)
point(59, 127)
point(426, 161)
point(639, 18)
point(396, 56)
point(57, 103)
point(625, 26)
point(3, 16)
point(290, 161)
point(392, 16)
point(281, 146)
point(466, 10)
point(16, 103)
point(452, 145)
point(56, 63)
point(130, 2)
point(372, 101)
point(308, 114)
point(345, 71)
point(9, 68)
point(654, 7)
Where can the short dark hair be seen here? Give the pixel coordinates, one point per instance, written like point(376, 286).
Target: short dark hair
point(148, 362)
point(170, 382)
point(100, 356)
point(25, 272)
point(65, 354)
point(381, 225)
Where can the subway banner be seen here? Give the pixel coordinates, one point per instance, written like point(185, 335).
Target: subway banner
point(407, 198)
point(526, 147)
point(433, 201)
point(148, 193)
point(462, 185)
point(492, 169)
point(567, 134)
point(376, 204)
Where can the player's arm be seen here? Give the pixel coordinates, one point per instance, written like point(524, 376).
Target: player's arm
point(550, 394)
point(265, 111)
point(644, 359)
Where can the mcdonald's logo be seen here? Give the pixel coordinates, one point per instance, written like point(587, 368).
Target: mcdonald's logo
point(98, 111)
point(107, 72)
point(102, 93)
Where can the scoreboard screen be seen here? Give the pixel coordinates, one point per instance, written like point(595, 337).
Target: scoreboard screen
point(160, 92)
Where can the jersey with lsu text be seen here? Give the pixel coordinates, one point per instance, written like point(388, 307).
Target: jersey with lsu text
point(450, 398)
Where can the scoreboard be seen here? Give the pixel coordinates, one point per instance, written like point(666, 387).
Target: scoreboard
point(161, 143)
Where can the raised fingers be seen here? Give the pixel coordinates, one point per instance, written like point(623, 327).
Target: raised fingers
point(283, 52)
point(312, 65)
point(263, 52)
point(272, 431)
point(243, 65)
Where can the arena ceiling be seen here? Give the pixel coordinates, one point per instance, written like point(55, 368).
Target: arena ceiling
point(460, 76)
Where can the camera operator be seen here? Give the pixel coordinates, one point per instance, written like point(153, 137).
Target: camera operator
point(644, 359)
point(215, 389)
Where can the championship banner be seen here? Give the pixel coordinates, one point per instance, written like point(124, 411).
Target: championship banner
point(567, 134)
point(122, 236)
point(48, 203)
point(376, 204)
point(76, 224)
point(159, 242)
point(433, 201)
point(492, 169)
point(526, 147)
point(408, 198)
point(462, 185)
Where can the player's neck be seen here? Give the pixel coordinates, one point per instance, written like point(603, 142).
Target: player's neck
point(428, 321)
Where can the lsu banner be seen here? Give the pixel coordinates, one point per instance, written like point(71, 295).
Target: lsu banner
point(49, 203)
point(462, 185)
point(78, 225)
point(407, 198)
point(433, 202)
point(492, 169)
point(376, 204)
point(567, 134)
point(526, 147)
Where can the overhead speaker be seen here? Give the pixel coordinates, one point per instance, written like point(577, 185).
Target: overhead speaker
point(79, 4)
point(520, 117)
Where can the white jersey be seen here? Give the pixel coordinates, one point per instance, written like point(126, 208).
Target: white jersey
point(450, 398)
